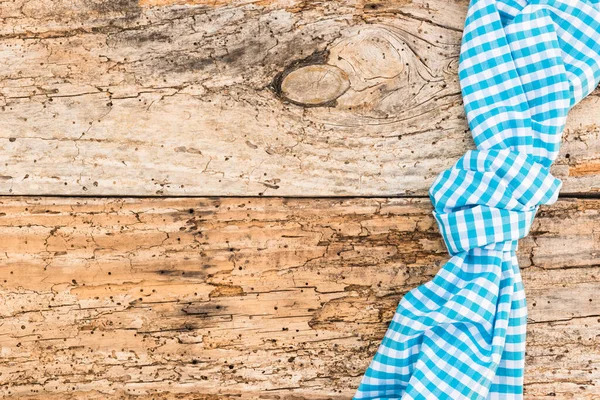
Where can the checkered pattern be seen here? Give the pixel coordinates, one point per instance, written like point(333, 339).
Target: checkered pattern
point(523, 65)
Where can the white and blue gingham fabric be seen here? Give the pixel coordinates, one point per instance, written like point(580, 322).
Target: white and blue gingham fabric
point(523, 65)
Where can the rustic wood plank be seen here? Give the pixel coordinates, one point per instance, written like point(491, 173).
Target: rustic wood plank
point(201, 97)
point(257, 297)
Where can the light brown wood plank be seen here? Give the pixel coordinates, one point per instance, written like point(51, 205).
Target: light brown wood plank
point(271, 297)
point(241, 98)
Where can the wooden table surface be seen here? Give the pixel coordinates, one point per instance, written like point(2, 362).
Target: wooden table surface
point(227, 199)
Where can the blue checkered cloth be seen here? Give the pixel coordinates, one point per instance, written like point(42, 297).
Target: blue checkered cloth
point(523, 65)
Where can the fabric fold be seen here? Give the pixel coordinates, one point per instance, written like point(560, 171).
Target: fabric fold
point(522, 66)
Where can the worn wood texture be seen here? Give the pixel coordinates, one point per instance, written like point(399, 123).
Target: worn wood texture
point(270, 297)
point(198, 97)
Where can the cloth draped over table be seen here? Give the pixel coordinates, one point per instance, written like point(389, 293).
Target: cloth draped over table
point(523, 65)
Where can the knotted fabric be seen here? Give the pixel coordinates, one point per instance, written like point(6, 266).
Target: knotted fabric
point(523, 65)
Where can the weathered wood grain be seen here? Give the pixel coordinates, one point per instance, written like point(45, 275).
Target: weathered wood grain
point(197, 97)
point(249, 298)
point(257, 297)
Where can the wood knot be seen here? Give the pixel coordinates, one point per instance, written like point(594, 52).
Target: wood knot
point(311, 82)
point(315, 85)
